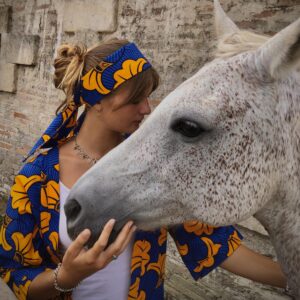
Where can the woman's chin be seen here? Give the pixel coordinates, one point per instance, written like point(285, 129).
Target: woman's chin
point(134, 127)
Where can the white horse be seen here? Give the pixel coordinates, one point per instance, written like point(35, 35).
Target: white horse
point(223, 146)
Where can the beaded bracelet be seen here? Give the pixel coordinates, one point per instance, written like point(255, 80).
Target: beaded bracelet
point(56, 286)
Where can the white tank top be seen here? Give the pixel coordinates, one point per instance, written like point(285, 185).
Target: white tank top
point(110, 283)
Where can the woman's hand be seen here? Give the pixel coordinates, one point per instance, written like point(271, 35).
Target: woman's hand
point(79, 262)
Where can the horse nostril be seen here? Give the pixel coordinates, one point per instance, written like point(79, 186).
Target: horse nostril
point(72, 209)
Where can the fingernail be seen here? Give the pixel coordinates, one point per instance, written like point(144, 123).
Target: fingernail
point(86, 232)
point(112, 222)
point(130, 223)
point(134, 228)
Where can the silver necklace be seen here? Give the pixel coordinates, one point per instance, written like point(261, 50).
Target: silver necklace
point(81, 152)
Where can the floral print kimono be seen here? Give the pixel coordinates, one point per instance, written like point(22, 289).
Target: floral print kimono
point(29, 237)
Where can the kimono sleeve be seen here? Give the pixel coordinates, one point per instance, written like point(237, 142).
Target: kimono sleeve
point(203, 247)
point(20, 242)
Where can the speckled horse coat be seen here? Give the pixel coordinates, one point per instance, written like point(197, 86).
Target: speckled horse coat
point(221, 147)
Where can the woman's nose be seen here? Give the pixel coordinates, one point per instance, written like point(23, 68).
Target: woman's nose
point(145, 108)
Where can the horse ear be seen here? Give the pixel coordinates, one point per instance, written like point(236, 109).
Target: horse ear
point(281, 54)
point(223, 24)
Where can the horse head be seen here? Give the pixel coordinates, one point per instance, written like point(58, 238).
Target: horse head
point(218, 148)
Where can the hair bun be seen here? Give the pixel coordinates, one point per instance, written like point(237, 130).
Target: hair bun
point(70, 51)
point(68, 66)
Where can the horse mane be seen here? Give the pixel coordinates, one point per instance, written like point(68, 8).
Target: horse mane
point(238, 42)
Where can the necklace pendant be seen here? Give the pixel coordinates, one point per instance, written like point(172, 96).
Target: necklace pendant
point(82, 154)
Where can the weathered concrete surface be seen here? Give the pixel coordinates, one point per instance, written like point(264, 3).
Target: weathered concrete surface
point(81, 15)
point(20, 49)
point(4, 18)
point(7, 77)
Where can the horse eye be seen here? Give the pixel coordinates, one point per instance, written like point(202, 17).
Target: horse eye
point(187, 128)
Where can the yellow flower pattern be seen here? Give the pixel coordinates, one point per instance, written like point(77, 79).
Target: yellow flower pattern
point(69, 111)
point(50, 195)
point(159, 267)
point(54, 240)
point(25, 253)
point(130, 68)
point(183, 249)
point(46, 137)
point(3, 241)
point(212, 250)
point(54, 254)
point(21, 290)
point(198, 228)
point(45, 220)
point(5, 274)
point(233, 243)
point(140, 255)
point(92, 80)
point(134, 293)
point(163, 236)
point(20, 200)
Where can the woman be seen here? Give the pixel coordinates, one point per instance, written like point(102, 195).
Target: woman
point(113, 81)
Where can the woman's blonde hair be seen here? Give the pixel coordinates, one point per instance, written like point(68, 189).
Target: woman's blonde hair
point(73, 61)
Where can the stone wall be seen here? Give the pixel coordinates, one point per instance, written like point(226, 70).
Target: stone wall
point(178, 38)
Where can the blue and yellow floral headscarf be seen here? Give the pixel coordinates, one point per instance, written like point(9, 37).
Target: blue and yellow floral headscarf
point(97, 83)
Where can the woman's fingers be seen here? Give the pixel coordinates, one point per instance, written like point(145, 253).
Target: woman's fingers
point(97, 258)
point(129, 237)
point(102, 241)
point(77, 245)
point(118, 245)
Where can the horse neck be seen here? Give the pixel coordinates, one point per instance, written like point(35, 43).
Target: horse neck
point(281, 215)
point(288, 124)
point(283, 223)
